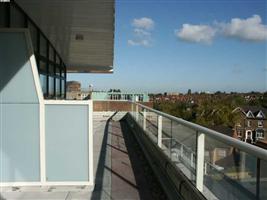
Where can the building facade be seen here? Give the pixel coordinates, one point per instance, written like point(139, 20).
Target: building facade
point(120, 96)
point(251, 125)
point(73, 90)
point(36, 53)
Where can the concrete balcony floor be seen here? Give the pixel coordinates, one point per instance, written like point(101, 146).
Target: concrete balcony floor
point(120, 168)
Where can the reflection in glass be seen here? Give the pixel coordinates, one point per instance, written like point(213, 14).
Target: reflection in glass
point(57, 87)
point(43, 83)
point(51, 86)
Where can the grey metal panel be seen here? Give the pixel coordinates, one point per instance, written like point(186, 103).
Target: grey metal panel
point(91, 19)
point(66, 142)
point(19, 143)
point(16, 78)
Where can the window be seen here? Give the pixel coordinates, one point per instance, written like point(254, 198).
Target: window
point(51, 69)
point(16, 18)
point(62, 88)
point(51, 53)
point(249, 123)
point(221, 153)
point(58, 87)
point(249, 135)
point(239, 133)
point(260, 123)
point(3, 13)
point(51, 87)
point(34, 36)
point(43, 46)
point(42, 66)
point(57, 71)
point(260, 134)
point(43, 83)
point(57, 59)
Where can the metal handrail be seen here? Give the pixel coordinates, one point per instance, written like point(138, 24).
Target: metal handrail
point(254, 150)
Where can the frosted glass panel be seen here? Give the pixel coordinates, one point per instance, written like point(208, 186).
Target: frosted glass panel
point(19, 145)
point(16, 78)
point(66, 142)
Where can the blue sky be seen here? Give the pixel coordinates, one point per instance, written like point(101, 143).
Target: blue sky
point(176, 45)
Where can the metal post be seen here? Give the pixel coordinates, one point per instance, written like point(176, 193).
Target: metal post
point(132, 108)
point(160, 131)
point(192, 159)
point(200, 161)
point(136, 113)
point(144, 120)
point(171, 142)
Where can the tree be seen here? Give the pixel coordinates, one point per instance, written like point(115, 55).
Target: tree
point(189, 92)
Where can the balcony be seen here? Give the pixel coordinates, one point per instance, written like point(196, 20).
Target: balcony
point(58, 149)
point(141, 153)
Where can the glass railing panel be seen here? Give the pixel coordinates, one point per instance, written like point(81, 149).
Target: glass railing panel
point(140, 116)
point(166, 135)
point(67, 141)
point(152, 126)
point(229, 173)
point(183, 149)
point(217, 169)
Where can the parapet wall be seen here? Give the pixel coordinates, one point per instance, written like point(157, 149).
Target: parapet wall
point(116, 105)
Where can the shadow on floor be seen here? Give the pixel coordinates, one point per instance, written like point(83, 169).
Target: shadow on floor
point(97, 194)
point(147, 184)
point(131, 175)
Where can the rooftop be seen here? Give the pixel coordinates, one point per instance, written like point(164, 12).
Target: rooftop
point(120, 169)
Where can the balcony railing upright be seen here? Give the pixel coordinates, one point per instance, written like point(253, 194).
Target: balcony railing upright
point(219, 166)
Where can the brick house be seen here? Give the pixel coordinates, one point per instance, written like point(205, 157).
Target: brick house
point(251, 126)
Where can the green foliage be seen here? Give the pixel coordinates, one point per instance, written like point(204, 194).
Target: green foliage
point(213, 111)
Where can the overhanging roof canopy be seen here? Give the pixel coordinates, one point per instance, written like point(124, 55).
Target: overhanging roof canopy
point(82, 31)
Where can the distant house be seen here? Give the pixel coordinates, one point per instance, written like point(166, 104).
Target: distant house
point(73, 90)
point(216, 151)
point(252, 125)
point(119, 96)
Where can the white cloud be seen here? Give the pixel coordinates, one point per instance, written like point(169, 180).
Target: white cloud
point(141, 42)
point(142, 32)
point(143, 23)
point(246, 29)
point(196, 33)
point(250, 29)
